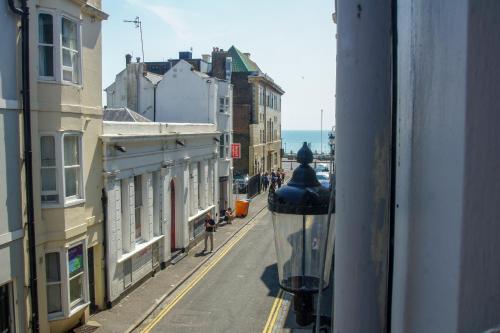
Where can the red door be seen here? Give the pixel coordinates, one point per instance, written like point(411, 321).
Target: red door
point(172, 215)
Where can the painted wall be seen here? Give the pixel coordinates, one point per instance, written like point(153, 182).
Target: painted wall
point(186, 96)
point(446, 268)
point(152, 151)
point(11, 219)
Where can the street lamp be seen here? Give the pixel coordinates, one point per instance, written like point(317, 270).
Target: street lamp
point(300, 213)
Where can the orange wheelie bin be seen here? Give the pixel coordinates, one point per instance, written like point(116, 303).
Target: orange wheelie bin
point(242, 208)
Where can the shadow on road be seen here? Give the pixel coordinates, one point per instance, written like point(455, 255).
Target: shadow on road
point(270, 279)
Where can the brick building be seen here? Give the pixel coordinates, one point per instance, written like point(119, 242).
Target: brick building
point(256, 110)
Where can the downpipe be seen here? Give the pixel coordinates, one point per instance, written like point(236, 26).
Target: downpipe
point(28, 164)
point(104, 203)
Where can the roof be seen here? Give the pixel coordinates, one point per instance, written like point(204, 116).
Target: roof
point(123, 114)
point(241, 62)
point(153, 77)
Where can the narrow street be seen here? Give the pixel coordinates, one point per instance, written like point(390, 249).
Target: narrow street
point(233, 292)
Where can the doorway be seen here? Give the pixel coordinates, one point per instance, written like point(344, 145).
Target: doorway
point(90, 260)
point(172, 216)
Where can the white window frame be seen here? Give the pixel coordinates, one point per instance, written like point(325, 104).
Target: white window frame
point(78, 51)
point(57, 171)
point(138, 209)
point(64, 201)
point(57, 16)
point(80, 196)
point(54, 39)
point(68, 308)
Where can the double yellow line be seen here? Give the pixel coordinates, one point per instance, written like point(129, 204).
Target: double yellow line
point(197, 279)
point(273, 315)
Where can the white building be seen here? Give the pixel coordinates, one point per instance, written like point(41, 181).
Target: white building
point(160, 182)
point(181, 95)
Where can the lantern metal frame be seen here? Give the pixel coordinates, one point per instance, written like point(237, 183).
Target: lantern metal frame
point(304, 195)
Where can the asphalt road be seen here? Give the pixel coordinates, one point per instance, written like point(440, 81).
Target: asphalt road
point(236, 295)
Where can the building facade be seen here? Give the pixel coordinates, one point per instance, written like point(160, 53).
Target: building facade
point(13, 316)
point(256, 111)
point(67, 168)
point(181, 95)
point(161, 181)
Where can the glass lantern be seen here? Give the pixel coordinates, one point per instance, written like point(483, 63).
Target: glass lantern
point(300, 220)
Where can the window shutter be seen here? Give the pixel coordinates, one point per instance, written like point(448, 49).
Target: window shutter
point(131, 212)
point(116, 225)
point(149, 205)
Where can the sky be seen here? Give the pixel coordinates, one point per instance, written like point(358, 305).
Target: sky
point(293, 41)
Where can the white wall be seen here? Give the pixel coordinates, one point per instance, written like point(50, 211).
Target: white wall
point(184, 96)
point(147, 156)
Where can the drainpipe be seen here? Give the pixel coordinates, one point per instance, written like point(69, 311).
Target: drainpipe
point(28, 166)
point(104, 203)
point(154, 101)
point(363, 165)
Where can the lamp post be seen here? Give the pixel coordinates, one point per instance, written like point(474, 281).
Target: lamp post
point(331, 143)
point(301, 219)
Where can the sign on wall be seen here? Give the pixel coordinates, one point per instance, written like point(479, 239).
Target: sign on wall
point(236, 150)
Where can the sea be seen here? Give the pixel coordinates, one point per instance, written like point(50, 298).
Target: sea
point(292, 140)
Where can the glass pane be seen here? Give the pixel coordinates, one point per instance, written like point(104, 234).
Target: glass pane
point(69, 33)
point(50, 198)
point(299, 243)
point(52, 267)
point(72, 181)
point(68, 75)
point(45, 61)
point(67, 59)
point(71, 150)
point(76, 288)
point(45, 30)
point(54, 298)
point(75, 260)
point(48, 151)
point(49, 179)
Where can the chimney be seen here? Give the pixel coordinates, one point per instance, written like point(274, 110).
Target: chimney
point(206, 57)
point(128, 59)
point(138, 59)
point(247, 54)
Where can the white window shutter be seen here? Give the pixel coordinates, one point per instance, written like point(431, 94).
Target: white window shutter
point(117, 222)
point(149, 206)
point(131, 210)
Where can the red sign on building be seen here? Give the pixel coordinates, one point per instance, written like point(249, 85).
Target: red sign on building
point(236, 150)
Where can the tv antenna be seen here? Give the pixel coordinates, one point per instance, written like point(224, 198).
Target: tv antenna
point(138, 24)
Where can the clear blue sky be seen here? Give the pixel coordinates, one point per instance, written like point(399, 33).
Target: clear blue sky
point(291, 40)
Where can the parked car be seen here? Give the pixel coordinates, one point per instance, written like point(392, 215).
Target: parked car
point(321, 167)
point(240, 183)
point(324, 179)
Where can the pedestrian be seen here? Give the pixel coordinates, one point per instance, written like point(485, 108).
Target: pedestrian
point(278, 179)
point(229, 216)
point(265, 181)
point(282, 176)
point(273, 178)
point(209, 232)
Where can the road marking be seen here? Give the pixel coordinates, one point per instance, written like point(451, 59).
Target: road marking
point(273, 314)
point(219, 255)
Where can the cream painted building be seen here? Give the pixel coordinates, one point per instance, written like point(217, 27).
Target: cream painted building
point(65, 67)
point(160, 180)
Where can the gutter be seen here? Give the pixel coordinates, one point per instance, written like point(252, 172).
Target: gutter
point(104, 202)
point(28, 165)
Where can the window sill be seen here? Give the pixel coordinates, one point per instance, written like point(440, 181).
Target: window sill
point(61, 316)
point(73, 202)
point(138, 248)
point(62, 83)
point(201, 213)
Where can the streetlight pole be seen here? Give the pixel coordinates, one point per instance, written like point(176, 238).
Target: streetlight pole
point(321, 148)
point(138, 24)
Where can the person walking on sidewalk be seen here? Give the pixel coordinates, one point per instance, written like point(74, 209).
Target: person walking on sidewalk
point(209, 232)
point(265, 181)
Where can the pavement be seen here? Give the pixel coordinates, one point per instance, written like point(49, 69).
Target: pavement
point(134, 308)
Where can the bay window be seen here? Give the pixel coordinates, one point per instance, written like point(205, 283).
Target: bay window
point(66, 281)
point(59, 47)
point(61, 169)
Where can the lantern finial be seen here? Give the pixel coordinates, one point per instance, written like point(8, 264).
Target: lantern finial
point(304, 155)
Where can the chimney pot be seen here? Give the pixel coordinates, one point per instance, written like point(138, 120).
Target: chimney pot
point(138, 59)
point(128, 59)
